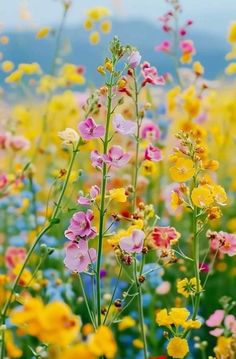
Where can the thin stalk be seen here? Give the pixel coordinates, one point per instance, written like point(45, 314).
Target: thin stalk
point(113, 295)
point(196, 263)
point(103, 194)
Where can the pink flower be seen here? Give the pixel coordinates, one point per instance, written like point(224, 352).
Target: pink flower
point(223, 242)
point(216, 318)
point(150, 131)
point(133, 243)
point(80, 226)
point(4, 140)
point(3, 180)
point(153, 153)
point(116, 157)
point(182, 31)
point(89, 129)
point(134, 59)
point(79, 256)
point(97, 159)
point(187, 47)
point(165, 46)
point(86, 201)
point(162, 236)
point(216, 332)
point(125, 127)
point(18, 143)
point(14, 256)
point(150, 75)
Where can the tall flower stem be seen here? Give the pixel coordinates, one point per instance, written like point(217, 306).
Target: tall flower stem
point(53, 221)
point(103, 194)
point(196, 262)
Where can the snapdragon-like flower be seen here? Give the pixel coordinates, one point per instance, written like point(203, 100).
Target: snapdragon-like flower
point(90, 130)
point(150, 131)
point(152, 153)
point(223, 242)
point(150, 75)
point(134, 59)
point(93, 193)
point(79, 256)
point(97, 159)
point(133, 243)
point(81, 226)
point(125, 127)
point(116, 157)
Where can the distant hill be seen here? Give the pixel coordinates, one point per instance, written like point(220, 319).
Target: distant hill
point(24, 48)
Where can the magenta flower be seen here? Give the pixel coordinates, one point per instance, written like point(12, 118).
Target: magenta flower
point(133, 243)
point(79, 256)
point(89, 129)
point(187, 47)
point(86, 201)
point(116, 157)
point(3, 180)
point(152, 153)
point(150, 75)
point(97, 159)
point(134, 59)
point(80, 226)
point(150, 131)
point(125, 127)
point(165, 46)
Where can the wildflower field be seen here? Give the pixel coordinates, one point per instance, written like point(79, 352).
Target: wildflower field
point(117, 197)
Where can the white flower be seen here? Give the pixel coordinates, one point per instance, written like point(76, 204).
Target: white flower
point(68, 136)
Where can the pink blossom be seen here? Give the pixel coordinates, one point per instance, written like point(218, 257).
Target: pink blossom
point(187, 47)
point(133, 243)
point(79, 256)
point(223, 242)
point(81, 226)
point(97, 159)
point(217, 332)
point(150, 131)
point(182, 31)
point(89, 129)
point(14, 256)
point(150, 75)
point(3, 180)
point(116, 157)
point(153, 153)
point(134, 59)
point(216, 318)
point(18, 143)
point(125, 127)
point(165, 46)
point(86, 201)
point(162, 236)
point(4, 140)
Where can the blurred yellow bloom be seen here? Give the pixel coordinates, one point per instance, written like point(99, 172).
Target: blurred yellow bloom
point(149, 168)
point(137, 343)
point(88, 24)
point(118, 195)
point(77, 351)
point(98, 12)
point(71, 75)
point(232, 33)
point(198, 68)
point(106, 26)
point(12, 350)
point(4, 40)
point(231, 69)
point(94, 38)
point(7, 66)
point(177, 347)
point(102, 342)
point(126, 322)
point(182, 170)
point(14, 77)
point(69, 136)
point(43, 32)
point(30, 69)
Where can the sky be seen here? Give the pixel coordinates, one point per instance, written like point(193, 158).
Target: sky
point(212, 16)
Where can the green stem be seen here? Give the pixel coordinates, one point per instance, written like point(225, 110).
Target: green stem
point(196, 263)
point(103, 194)
point(113, 295)
point(52, 222)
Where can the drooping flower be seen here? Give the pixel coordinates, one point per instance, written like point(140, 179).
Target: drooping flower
point(116, 157)
point(163, 237)
point(79, 256)
point(133, 243)
point(68, 136)
point(125, 127)
point(134, 59)
point(81, 226)
point(90, 130)
point(152, 153)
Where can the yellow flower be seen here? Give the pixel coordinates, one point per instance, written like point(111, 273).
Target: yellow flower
point(77, 351)
point(43, 32)
point(149, 168)
point(198, 68)
point(12, 350)
point(231, 69)
point(192, 324)
point(106, 26)
point(177, 347)
point(94, 38)
point(176, 201)
point(202, 196)
point(118, 195)
point(138, 343)
point(4, 40)
point(187, 287)
point(7, 66)
point(232, 33)
point(179, 316)
point(182, 170)
point(30, 69)
point(70, 75)
point(102, 342)
point(98, 12)
point(14, 77)
point(219, 195)
point(163, 318)
point(26, 276)
point(222, 348)
point(88, 24)
point(126, 322)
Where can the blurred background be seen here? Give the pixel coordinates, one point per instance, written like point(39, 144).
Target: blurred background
point(134, 21)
